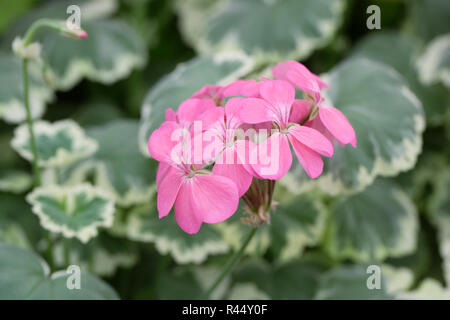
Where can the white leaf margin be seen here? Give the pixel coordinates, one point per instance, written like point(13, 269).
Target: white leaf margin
point(193, 26)
point(413, 147)
point(82, 144)
point(165, 245)
point(428, 65)
point(85, 233)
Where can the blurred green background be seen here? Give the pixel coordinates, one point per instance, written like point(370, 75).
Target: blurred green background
point(117, 84)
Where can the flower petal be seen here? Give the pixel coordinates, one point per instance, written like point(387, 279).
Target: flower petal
point(278, 93)
point(171, 115)
point(256, 111)
point(163, 168)
point(338, 125)
point(162, 142)
point(190, 109)
point(168, 190)
point(300, 109)
point(185, 213)
point(216, 197)
point(273, 156)
point(308, 158)
point(312, 139)
point(228, 166)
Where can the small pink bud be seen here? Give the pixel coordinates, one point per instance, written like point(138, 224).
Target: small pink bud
point(83, 34)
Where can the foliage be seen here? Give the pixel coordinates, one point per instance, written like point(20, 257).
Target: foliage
point(96, 101)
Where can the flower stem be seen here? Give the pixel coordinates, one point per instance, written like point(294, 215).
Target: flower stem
point(36, 170)
point(231, 264)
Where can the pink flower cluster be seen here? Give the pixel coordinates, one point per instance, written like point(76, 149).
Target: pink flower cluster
point(223, 137)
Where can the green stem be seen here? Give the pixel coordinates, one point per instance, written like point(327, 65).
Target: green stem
point(231, 264)
point(26, 98)
point(39, 24)
point(66, 252)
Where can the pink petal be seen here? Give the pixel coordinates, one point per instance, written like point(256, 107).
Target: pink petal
point(338, 125)
point(215, 197)
point(312, 139)
point(210, 117)
point(247, 88)
point(256, 111)
point(233, 170)
point(161, 142)
point(298, 75)
point(163, 168)
point(278, 93)
point(190, 109)
point(168, 190)
point(185, 213)
point(171, 115)
point(309, 159)
point(274, 157)
point(300, 109)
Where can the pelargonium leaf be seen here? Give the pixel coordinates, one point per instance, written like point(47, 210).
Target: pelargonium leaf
point(109, 53)
point(101, 256)
point(118, 166)
point(12, 108)
point(388, 120)
point(434, 65)
point(428, 18)
point(349, 282)
point(181, 83)
point(58, 144)
point(17, 223)
point(248, 26)
point(74, 211)
point(14, 180)
point(363, 228)
point(439, 214)
point(142, 224)
point(296, 222)
point(293, 280)
point(24, 275)
point(401, 52)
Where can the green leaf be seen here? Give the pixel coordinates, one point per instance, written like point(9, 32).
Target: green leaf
point(12, 108)
point(377, 223)
point(58, 144)
point(428, 18)
point(118, 166)
point(349, 282)
point(181, 83)
point(434, 65)
point(294, 280)
point(75, 211)
point(17, 223)
point(101, 256)
point(266, 30)
point(24, 275)
point(109, 53)
point(388, 120)
point(439, 213)
point(401, 52)
point(15, 181)
point(142, 224)
point(296, 223)
point(429, 289)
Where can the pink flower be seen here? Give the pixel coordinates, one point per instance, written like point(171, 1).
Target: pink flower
point(232, 159)
point(211, 92)
point(194, 109)
point(246, 88)
point(330, 121)
point(278, 105)
point(197, 195)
